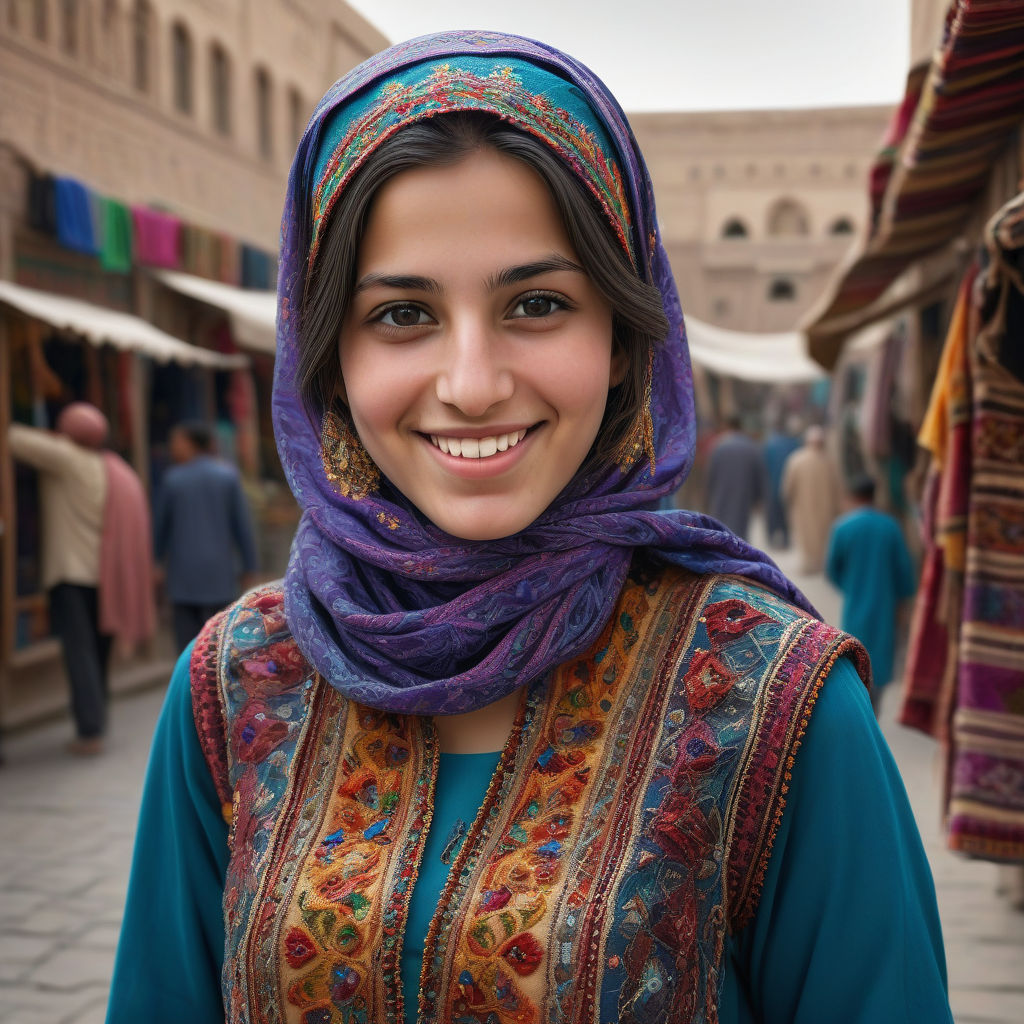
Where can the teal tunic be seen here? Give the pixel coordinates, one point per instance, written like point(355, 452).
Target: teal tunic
point(869, 562)
point(846, 931)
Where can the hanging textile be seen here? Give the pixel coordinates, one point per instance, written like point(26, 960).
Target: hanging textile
point(256, 272)
point(75, 228)
point(115, 236)
point(157, 238)
point(931, 669)
point(986, 807)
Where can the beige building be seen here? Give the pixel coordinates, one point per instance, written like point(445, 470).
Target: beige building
point(192, 107)
point(758, 207)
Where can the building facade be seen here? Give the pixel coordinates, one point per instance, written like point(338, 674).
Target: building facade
point(188, 110)
point(758, 207)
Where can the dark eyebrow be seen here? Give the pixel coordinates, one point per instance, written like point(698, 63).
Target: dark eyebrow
point(402, 282)
point(523, 272)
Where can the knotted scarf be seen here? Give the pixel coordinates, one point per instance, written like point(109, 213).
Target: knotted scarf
point(392, 611)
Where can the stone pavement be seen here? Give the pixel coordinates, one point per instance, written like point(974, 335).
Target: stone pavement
point(66, 829)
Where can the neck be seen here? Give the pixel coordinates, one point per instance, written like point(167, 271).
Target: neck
point(478, 732)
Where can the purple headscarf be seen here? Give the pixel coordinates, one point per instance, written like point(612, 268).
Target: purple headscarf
point(392, 611)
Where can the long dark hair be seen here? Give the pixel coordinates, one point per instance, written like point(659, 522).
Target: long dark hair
point(638, 319)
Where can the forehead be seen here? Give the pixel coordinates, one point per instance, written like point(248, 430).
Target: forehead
point(488, 206)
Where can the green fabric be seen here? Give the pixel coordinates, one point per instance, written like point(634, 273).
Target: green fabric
point(115, 236)
point(847, 929)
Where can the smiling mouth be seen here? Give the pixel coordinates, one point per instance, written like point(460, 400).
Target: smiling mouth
point(477, 447)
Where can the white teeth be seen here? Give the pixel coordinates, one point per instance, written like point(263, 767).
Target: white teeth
point(477, 448)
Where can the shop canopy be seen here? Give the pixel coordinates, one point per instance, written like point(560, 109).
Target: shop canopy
point(253, 314)
point(771, 358)
point(101, 326)
point(956, 118)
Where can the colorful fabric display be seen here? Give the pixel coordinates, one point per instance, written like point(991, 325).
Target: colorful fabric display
point(42, 203)
point(115, 236)
point(157, 238)
point(256, 268)
point(75, 229)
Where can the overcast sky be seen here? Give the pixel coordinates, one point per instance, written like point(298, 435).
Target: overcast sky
point(697, 54)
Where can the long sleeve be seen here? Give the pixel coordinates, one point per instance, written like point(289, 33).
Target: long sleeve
point(172, 936)
point(47, 452)
point(847, 930)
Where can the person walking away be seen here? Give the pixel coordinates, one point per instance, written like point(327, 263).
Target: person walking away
point(810, 491)
point(869, 563)
point(735, 478)
point(97, 561)
point(775, 449)
point(203, 531)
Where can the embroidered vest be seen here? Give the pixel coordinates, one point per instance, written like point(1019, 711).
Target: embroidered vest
point(626, 829)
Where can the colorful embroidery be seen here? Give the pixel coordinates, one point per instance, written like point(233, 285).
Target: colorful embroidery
point(626, 829)
point(501, 91)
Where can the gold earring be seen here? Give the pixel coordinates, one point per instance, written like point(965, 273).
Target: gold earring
point(347, 464)
point(640, 439)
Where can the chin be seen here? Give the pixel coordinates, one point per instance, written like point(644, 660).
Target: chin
point(482, 526)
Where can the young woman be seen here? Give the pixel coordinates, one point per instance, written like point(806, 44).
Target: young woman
point(508, 744)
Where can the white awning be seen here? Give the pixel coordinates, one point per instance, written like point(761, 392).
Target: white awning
point(253, 314)
point(102, 326)
point(772, 358)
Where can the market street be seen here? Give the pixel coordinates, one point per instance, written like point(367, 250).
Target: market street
point(67, 828)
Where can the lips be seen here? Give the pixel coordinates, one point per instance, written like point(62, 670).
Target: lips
point(477, 447)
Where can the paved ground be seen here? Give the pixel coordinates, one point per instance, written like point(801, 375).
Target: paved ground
point(66, 831)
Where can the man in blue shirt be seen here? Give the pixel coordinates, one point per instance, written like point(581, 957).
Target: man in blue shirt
point(203, 531)
point(869, 563)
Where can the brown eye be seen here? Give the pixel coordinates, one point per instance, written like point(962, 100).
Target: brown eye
point(403, 316)
point(537, 306)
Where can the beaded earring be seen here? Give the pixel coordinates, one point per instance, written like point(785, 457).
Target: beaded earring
point(639, 440)
point(347, 464)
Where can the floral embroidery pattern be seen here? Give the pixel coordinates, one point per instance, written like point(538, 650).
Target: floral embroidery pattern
point(626, 830)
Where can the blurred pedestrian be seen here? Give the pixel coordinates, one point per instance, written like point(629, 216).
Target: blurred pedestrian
point(775, 449)
point(736, 478)
point(868, 561)
point(810, 490)
point(97, 561)
point(203, 531)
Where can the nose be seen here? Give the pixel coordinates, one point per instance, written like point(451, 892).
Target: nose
point(475, 375)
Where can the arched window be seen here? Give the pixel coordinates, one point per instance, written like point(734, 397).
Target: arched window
point(297, 113)
point(142, 21)
point(787, 217)
point(264, 120)
point(181, 62)
point(69, 27)
point(40, 21)
point(220, 87)
point(841, 226)
point(735, 228)
point(781, 289)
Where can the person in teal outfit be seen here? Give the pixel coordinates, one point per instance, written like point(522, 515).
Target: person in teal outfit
point(869, 562)
point(509, 742)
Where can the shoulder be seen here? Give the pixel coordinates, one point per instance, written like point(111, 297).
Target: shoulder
point(245, 657)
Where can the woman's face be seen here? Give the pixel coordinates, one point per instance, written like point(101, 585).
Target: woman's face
point(476, 354)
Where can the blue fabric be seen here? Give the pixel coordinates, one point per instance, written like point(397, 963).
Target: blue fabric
point(462, 781)
point(869, 562)
point(847, 917)
point(203, 532)
point(75, 225)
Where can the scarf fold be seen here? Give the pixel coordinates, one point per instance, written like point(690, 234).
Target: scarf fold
point(392, 611)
